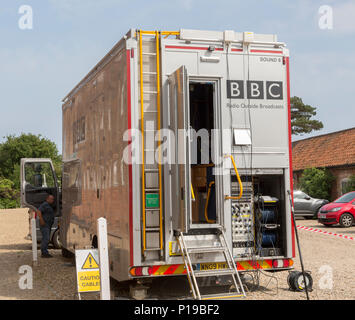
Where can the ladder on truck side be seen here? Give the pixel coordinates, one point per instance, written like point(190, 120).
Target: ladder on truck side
point(150, 92)
point(150, 99)
point(220, 247)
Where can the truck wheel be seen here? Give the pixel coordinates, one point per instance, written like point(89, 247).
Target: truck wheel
point(346, 220)
point(56, 240)
point(66, 253)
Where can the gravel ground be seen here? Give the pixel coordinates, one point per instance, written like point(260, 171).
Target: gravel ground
point(318, 250)
point(54, 279)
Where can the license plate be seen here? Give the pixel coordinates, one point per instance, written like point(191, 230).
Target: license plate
point(323, 216)
point(213, 266)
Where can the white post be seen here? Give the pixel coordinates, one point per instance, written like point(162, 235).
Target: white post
point(104, 262)
point(34, 241)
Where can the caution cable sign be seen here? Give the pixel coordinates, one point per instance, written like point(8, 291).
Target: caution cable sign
point(88, 270)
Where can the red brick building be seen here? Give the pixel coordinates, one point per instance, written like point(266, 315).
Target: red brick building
point(334, 151)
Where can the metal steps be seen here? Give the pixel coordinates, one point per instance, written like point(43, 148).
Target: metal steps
point(222, 296)
point(231, 270)
point(205, 250)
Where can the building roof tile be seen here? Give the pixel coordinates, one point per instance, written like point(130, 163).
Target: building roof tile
point(328, 150)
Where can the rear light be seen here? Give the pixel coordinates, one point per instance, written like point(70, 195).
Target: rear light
point(286, 263)
point(282, 263)
point(141, 271)
point(277, 263)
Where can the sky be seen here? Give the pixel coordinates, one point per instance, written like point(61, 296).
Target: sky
point(39, 66)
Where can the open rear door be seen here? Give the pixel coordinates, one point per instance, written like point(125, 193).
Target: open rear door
point(38, 179)
point(180, 166)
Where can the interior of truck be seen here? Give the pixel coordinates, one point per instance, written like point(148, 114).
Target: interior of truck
point(203, 180)
point(270, 207)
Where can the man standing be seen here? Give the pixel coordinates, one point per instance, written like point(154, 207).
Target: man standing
point(46, 219)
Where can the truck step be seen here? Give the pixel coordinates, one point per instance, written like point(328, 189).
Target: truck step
point(206, 249)
point(214, 273)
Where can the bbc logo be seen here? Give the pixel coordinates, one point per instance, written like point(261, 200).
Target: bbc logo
point(255, 89)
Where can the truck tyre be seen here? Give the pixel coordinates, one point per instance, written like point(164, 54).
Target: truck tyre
point(346, 220)
point(66, 253)
point(56, 240)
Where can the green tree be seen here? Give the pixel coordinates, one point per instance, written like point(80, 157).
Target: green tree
point(301, 117)
point(9, 197)
point(11, 152)
point(317, 182)
point(25, 146)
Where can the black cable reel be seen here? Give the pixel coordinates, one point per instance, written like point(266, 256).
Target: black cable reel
point(295, 281)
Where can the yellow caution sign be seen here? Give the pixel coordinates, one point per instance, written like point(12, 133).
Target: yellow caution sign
point(89, 281)
point(90, 263)
point(88, 270)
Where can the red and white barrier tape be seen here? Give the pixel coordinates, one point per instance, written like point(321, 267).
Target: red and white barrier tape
point(343, 236)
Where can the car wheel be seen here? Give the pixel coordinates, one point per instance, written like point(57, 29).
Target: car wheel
point(56, 240)
point(346, 220)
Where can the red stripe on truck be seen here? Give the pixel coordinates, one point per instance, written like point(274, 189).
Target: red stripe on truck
point(266, 51)
point(129, 105)
point(290, 147)
point(191, 48)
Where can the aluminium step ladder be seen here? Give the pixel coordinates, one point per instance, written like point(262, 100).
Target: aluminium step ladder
point(231, 270)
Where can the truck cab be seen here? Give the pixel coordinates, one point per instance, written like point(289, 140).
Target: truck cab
point(38, 179)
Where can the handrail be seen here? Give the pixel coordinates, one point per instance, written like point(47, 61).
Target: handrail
point(207, 201)
point(239, 181)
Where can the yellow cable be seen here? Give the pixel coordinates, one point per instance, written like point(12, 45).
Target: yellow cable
point(239, 181)
point(192, 192)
